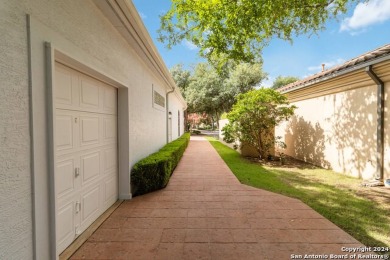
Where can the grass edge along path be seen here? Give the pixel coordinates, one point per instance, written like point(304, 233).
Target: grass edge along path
point(360, 217)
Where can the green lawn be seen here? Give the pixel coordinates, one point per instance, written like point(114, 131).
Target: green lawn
point(332, 195)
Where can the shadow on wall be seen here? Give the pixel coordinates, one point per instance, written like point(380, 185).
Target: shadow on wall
point(354, 131)
point(306, 142)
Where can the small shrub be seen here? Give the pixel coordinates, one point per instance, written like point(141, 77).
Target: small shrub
point(153, 172)
point(196, 132)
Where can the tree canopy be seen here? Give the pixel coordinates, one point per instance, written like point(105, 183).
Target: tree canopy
point(181, 77)
point(205, 92)
point(254, 116)
point(213, 92)
point(239, 29)
point(281, 81)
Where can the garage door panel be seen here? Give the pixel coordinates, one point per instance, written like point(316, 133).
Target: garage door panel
point(90, 166)
point(110, 189)
point(109, 100)
point(65, 225)
point(89, 94)
point(110, 160)
point(64, 132)
point(90, 206)
point(63, 83)
point(109, 129)
point(65, 173)
point(89, 130)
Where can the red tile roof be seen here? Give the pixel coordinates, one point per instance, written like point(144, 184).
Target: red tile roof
point(349, 65)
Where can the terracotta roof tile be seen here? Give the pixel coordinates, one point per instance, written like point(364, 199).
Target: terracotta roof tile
point(381, 51)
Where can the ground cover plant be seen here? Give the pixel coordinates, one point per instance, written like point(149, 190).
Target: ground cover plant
point(363, 214)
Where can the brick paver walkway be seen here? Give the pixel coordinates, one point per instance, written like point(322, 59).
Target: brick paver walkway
point(205, 213)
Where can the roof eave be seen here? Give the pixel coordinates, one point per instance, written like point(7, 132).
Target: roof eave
point(339, 73)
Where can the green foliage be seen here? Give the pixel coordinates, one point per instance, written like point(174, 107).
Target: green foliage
point(242, 78)
point(153, 172)
point(224, 115)
point(214, 92)
point(238, 30)
point(338, 198)
point(283, 81)
point(181, 77)
point(195, 132)
point(254, 116)
point(205, 91)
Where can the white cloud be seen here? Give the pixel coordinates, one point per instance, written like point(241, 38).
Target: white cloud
point(306, 76)
point(268, 82)
point(328, 65)
point(366, 14)
point(142, 15)
point(207, 50)
point(190, 45)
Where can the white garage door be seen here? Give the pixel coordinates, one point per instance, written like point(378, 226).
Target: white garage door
point(86, 168)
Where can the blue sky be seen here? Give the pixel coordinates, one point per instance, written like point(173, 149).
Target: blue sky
point(366, 26)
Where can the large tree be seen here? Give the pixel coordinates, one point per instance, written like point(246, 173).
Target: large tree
point(254, 116)
point(242, 78)
point(214, 92)
point(281, 81)
point(181, 77)
point(239, 29)
point(205, 93)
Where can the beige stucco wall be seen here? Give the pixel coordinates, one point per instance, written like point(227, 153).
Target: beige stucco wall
point(79, 30)
point(15, 179)
point(335, 124)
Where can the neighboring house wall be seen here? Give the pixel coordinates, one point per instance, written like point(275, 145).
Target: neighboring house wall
point(383, 71)
point(222, 124)
point(387, 130)
point(85, 39)
point(335, 123)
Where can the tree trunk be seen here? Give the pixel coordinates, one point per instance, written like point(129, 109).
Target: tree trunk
point(260, 148)
point(217, 116)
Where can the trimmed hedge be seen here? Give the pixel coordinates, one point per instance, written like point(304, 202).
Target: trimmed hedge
point(153, 172)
